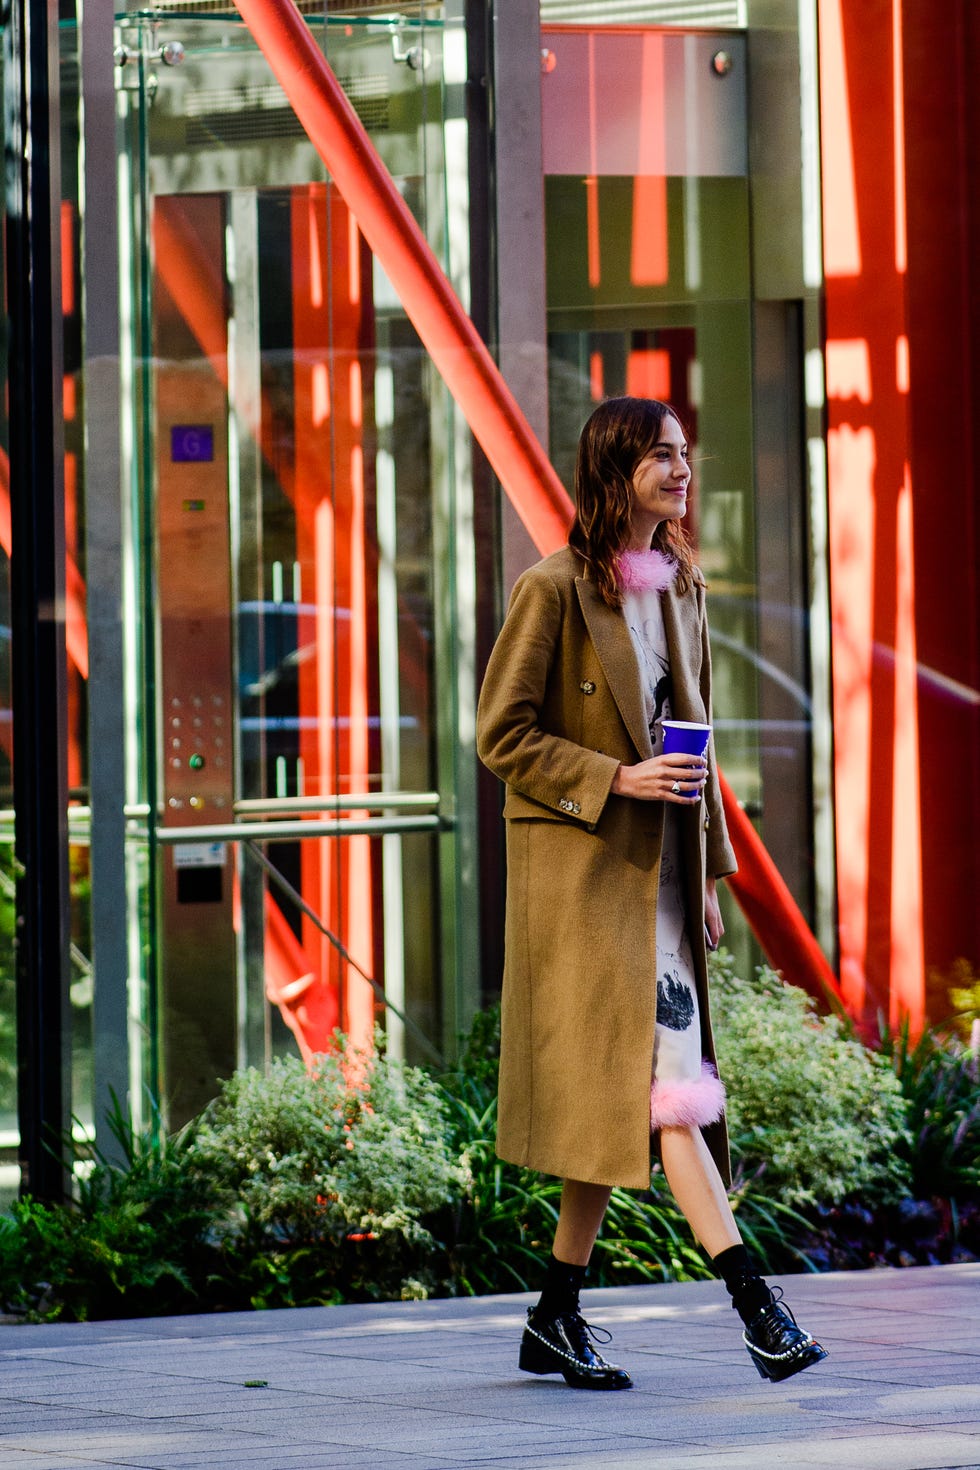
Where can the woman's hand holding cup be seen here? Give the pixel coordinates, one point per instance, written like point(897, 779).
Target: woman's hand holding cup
point(677, 777)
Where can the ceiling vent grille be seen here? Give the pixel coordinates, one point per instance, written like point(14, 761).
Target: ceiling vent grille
point(250, 114)
point(710, 14)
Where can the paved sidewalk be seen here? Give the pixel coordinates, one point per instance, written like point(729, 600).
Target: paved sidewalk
point(435, 1384)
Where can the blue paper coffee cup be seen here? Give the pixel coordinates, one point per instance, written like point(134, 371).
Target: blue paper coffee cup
point(681, 737)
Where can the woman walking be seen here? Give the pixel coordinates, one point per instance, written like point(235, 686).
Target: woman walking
point(614, 850)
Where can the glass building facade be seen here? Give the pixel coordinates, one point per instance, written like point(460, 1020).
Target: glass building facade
point(252, 559)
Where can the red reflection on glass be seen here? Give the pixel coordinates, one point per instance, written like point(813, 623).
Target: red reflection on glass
point(851, 465)
point(597, 377)
point(841, 239)
point(592, 229)
point(649, 264)
point(649, 253)
point(68, 295)
point(648, 374)
point(906, 996)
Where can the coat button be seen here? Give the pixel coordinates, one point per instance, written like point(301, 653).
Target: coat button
point(587, 686)
point(707, 823)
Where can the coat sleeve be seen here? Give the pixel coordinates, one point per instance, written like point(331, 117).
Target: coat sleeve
point(719, 855)
point(541, 764)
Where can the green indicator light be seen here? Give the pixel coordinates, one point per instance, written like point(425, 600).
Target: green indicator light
point(196, 762)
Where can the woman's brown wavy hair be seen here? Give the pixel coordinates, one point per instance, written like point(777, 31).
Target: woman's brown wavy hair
point(616, 437)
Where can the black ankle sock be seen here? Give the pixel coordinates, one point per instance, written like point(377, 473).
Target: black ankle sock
point(562, 1284)
point(747, 1289)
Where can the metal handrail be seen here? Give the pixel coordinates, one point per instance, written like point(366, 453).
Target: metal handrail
point(369, 801)
point(290, 831)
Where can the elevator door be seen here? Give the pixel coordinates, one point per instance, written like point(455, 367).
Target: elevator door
point(294, 465)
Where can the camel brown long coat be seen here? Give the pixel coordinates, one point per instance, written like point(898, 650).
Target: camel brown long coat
point(561, 709)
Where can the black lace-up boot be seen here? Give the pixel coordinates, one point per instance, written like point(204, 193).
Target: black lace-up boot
point(557, 1337)
point(562, 1345)
point(777, 1345)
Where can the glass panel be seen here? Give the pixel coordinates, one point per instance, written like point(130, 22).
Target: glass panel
point(294, 477)
point(80, 975)
point(649, 292)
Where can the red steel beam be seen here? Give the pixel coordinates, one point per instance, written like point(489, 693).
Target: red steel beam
point(488, 405)
point(762, 895)
point(447, 333)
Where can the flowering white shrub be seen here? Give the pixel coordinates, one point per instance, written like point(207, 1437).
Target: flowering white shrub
point(357, 1148)
point(820, 1115)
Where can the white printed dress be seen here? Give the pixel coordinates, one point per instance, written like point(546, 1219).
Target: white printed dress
point(685, 1089)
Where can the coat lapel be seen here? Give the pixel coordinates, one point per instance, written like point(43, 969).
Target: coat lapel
point(611, 640)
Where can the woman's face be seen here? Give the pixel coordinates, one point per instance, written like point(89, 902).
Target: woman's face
point(661, 479)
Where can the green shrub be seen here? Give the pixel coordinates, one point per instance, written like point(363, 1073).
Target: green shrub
point(134, 1243)
point(343, 1174)
point(369, 1180)
point(938, 1076)
point(813, 1113)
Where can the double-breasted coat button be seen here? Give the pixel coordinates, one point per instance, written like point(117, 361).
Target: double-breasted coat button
point(587, 686)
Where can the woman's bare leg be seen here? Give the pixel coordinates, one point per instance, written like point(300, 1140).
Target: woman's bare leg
point(698, 1189)
point(582, 1208)
point(557, 1339)
point(777, 1344)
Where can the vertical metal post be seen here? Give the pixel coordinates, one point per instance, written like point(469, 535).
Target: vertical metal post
point(522, 340)
point(247, 571)
point(104, 542)
point(39, 673)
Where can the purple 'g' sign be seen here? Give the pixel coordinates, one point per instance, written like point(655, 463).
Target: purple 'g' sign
point(191, 442)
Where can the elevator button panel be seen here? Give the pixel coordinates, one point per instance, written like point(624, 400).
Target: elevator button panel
point(194, 581)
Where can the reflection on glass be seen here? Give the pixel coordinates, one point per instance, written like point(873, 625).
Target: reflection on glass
point(650, 293)
point(288, 568)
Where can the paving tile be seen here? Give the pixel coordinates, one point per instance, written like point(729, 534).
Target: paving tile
point(435, 1386)
point(908, 1452)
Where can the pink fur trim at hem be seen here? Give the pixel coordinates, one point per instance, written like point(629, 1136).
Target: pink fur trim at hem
point(641, 571)
point(688, 1104)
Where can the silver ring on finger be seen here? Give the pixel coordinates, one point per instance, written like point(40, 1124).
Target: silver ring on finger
point(676, 788)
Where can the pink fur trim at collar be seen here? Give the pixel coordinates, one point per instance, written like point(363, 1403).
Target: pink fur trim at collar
point(645, 571)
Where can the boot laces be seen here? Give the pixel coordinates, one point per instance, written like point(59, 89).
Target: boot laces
point(582, 1331)
point(778, 1305)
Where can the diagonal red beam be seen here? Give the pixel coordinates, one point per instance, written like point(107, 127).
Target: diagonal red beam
point(447, 333)
point(771, 909)
point(488, 405)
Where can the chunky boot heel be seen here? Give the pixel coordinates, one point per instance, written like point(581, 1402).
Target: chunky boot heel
point(561, 1345)
point(535, 1357)
point(777, 1345)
